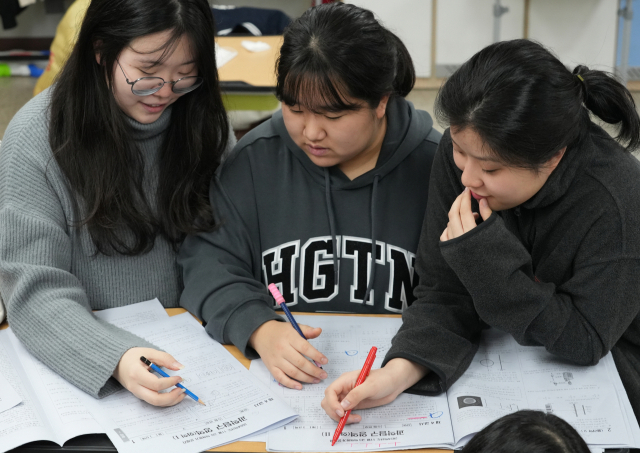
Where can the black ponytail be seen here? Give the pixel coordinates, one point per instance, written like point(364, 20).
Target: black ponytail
point(337, 50)
point(610, 101)
point(527, 106)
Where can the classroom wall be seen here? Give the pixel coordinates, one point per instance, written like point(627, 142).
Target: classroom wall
point(463, 27)
point(578, 31)
point(411, 21)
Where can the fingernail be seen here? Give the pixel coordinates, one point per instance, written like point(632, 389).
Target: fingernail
point(181, 380)
point(466, 189)
point(324, 360)
point(177, 365)
point(298, 387)
point(182, 390)
point(323, 375)
point(316, 381)
point(484, 202)
point(345, 404)
point(340, 413)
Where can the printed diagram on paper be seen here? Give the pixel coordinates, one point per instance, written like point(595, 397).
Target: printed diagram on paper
point(346, 341)
point(505, 377)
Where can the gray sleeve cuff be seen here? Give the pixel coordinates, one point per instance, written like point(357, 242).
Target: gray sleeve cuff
point(244, 321)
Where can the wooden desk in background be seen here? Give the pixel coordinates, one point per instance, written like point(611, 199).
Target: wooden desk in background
point(255, 69)
point(248, 80)
point(232, 447)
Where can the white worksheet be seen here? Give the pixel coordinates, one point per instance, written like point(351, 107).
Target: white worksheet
point(237, 404)
point(8, 396)
point(408, 422)
point(50, 409)
point(53, 409)
point(503, 377)
point(131, 316)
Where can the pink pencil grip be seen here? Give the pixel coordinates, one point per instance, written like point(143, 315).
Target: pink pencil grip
point(276, 294)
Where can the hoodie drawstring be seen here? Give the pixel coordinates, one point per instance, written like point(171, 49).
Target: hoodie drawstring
point(332, 228)
point(332, 222)
point(372, 272)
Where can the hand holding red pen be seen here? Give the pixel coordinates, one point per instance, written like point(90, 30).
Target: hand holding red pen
point(366, 369)
point(381, 387)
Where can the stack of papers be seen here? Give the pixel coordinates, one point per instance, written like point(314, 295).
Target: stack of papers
point(37, 404)
point(504, 377)
point(52, 409)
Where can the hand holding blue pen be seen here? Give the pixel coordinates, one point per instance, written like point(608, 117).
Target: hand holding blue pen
point(280, 300)
point(159, 370)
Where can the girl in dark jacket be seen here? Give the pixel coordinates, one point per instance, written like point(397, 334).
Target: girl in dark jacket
point(531, 227)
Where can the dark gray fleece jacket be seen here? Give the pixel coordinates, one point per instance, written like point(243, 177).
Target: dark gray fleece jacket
point(280, 215)
point(562, 270)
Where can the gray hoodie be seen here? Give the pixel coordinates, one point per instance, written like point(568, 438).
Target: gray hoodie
point(281, 217)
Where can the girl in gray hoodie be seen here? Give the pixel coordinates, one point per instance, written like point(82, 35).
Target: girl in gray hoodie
point(325, 200)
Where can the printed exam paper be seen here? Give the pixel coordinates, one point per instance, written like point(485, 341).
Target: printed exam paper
point(504, 377)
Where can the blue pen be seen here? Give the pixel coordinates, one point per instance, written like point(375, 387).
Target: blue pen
point(280, 300)
point(158, 370)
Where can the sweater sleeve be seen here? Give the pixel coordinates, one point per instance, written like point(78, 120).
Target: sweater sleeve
point(441, 329)
point(221, 269)
point(47, 307)
point(579, 319)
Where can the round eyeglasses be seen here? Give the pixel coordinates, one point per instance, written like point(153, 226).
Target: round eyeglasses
point(144, 86)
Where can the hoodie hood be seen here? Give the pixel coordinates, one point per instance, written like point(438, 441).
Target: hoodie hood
point(406, 129)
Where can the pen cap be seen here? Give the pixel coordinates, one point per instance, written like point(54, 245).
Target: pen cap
point(276, 294)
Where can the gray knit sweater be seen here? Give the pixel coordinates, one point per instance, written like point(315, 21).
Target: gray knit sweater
point(50, 276)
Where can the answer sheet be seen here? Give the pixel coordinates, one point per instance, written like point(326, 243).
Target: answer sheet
point(51, 408)
point(8, 396)
point(505, 377)
point(237, 404)
point(410, 421)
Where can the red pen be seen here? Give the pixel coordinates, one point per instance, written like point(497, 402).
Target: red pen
point(363, 375)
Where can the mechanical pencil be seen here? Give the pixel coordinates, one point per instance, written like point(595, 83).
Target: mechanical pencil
point(158, 370)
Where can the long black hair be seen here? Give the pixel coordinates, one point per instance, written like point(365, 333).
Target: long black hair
point(527, 432)
point(91, 141)
point(336, 50)
point(526, 105)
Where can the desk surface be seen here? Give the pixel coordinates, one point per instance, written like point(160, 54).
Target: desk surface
point(233, 447)
point(255, 69)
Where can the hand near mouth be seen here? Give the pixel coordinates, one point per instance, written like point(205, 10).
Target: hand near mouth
point(461, 218)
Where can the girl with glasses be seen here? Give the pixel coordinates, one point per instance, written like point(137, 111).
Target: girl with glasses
point(531, 227)
point(102, 176)
point(325, 200)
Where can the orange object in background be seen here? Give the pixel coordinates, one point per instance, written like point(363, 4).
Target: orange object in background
point(63, 42)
